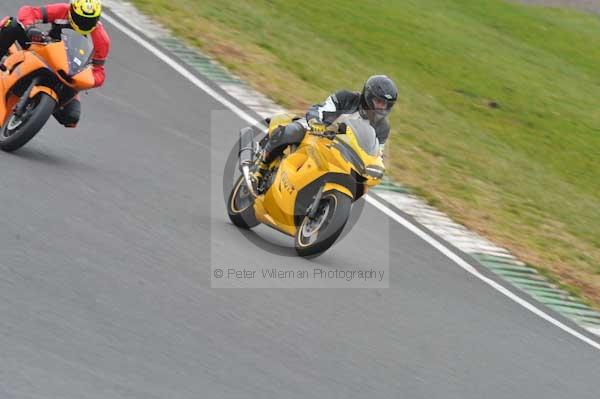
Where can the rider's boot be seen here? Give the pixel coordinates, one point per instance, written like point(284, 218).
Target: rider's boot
point(261, 170)
point(274, 146)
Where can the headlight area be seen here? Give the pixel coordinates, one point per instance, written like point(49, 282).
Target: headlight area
point(351, 156)
point(374, 171)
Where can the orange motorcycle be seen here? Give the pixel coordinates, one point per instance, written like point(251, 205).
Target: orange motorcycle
point(34, 82)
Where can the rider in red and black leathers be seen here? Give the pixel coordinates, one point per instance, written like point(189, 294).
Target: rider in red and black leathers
point(15, 30)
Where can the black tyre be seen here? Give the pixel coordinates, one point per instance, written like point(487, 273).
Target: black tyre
point(240, 206)
point(17, 131)
point(319, 234)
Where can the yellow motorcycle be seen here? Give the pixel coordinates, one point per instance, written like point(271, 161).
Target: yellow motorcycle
point(311, 187)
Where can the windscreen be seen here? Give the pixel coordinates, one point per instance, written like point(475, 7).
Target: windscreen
point(365, 135)
point(79, 50)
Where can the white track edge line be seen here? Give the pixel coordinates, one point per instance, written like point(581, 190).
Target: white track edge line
point(393, 215)
point(594, 330)
point(466, 266)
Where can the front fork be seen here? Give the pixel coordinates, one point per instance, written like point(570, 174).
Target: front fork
point(22, 104)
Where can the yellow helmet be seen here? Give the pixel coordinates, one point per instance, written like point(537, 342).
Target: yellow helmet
point(84, 15)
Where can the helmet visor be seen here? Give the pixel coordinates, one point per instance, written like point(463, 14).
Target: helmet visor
point(83, 24)
point(380, 106)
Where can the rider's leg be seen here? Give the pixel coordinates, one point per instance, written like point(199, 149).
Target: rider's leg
point(276, 144)
point(11, 31)
point(282, 138)
point(68, 114)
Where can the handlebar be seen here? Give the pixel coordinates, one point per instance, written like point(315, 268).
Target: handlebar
point(37, 36)
point(330, 132)
point(52, 35)
point(326, 134)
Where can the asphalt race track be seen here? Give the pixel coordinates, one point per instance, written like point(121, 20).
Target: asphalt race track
point(107, 237)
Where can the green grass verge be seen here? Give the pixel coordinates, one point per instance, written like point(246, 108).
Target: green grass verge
point(525, 173)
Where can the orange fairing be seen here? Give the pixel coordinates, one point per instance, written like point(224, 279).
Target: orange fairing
point(43, 89)
point(14, 60)
point(60, 69)
point(56, 59)
point(11, 101)
point(18, 66)
point(84, 80)
point(54, 54)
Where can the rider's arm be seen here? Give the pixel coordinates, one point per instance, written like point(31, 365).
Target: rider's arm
point(30, 15)
point(382, 130)
point(342, 102)
point(101, 49)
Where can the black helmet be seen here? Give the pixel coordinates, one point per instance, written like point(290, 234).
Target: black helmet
point(378, 97)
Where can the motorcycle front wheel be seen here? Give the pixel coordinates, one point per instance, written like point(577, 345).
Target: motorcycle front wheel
point(18, 130)
point(316, 235)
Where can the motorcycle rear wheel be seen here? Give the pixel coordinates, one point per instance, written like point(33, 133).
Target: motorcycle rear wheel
point(240, 206)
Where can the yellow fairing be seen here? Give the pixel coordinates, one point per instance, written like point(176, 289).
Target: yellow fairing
point(280, 120)
point(295, 172)
point(337, 187)
point(317, 161)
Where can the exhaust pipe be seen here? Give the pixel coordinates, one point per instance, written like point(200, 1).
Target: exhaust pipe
point(246, 157)
point(248, 180)
point(246, 152)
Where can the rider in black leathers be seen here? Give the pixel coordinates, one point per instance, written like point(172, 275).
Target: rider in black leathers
point(374, 103)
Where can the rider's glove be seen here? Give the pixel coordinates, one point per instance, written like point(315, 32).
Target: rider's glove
point(382, 151)
point(13, 28)
point(317, 126)
point(55, 32)
point(35, 34)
